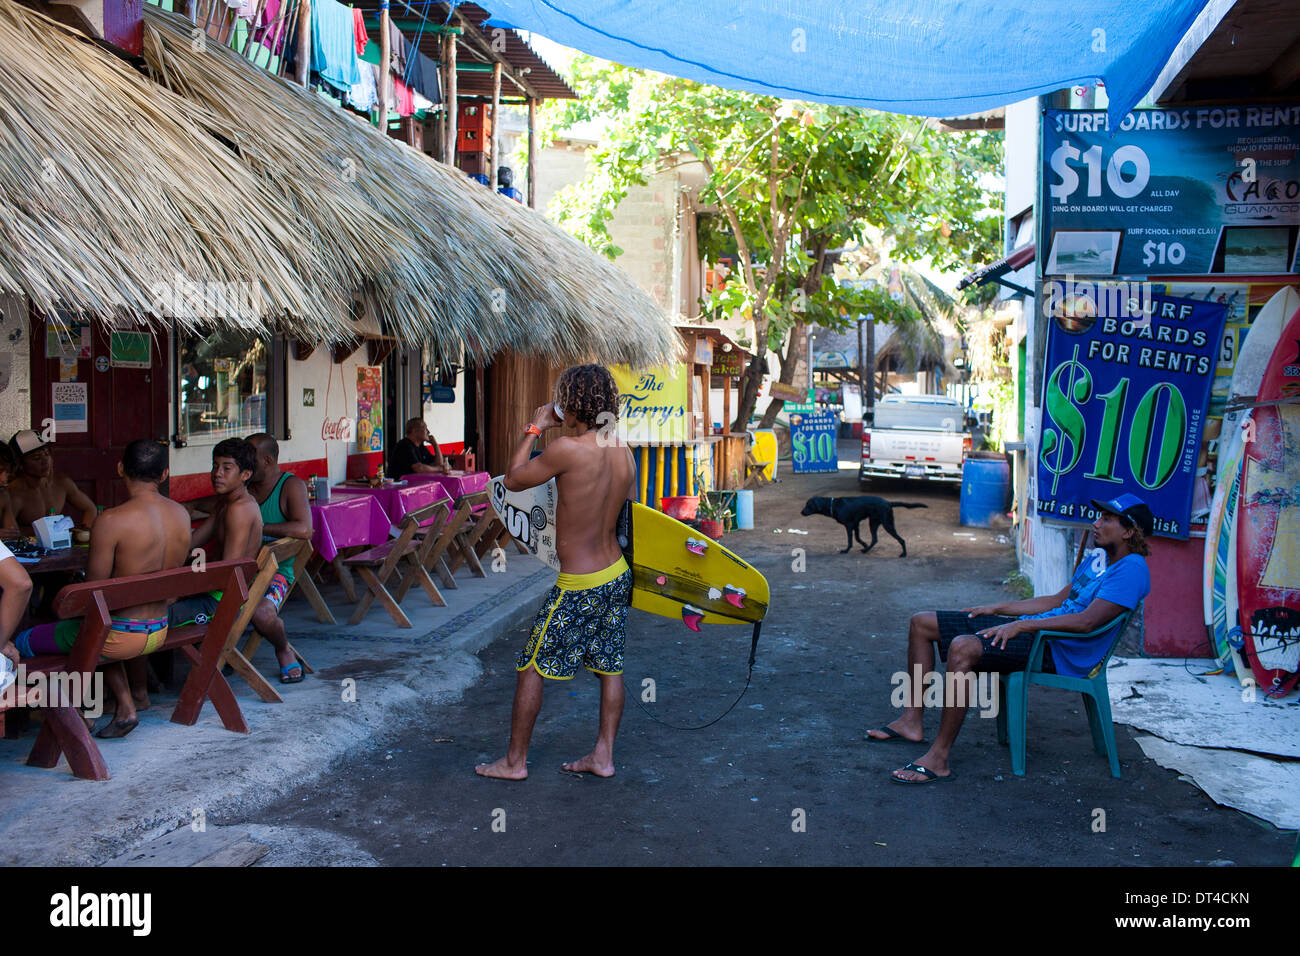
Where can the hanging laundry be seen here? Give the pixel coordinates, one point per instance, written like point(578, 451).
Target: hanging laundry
point(397, 46)
point(363, 95)
point(405, 102)
point(272, 26)
point(334, 45)
point(422, 76)
point(359, 31)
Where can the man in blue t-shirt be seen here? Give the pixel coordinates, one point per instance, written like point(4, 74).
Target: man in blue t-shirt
point(999, 637)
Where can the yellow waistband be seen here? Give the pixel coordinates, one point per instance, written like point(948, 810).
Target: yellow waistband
point(584, 582)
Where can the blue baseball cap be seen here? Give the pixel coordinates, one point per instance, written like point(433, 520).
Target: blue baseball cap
point(1131, 509)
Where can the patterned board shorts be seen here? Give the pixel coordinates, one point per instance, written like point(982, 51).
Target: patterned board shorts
point(277, 589)
point(1006, 660)
point(583, 623)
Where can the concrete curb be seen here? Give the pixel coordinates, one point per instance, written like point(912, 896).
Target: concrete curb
point(166, 776)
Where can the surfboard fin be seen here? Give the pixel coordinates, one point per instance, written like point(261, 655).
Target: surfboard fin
point(735, 595)
point(696, 546)
point(692, 617)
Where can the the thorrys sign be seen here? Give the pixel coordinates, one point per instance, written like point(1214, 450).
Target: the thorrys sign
point(1124, 402)
point(652, 404)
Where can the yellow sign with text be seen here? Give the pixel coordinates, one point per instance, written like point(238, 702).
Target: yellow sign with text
point(652, 404)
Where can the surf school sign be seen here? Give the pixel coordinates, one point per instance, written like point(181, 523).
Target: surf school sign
point(1125, 398)
point(1198, 190)
point(651, 405)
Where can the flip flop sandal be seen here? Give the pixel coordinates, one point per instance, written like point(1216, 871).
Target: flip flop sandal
point(284, 673)
point(930, 776)
point(892, 736)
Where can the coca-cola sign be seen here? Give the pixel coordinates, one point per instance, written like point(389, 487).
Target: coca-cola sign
point(338, 429)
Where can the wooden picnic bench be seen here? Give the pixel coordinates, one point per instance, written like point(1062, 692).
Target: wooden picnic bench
point(376, 565)
point(64, 730)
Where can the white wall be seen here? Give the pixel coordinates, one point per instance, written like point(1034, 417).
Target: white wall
point(16, 399)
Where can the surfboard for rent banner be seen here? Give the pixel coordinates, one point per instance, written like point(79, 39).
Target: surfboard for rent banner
point(1125, 399)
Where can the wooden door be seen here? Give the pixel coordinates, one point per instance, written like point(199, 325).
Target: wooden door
point(123, 404)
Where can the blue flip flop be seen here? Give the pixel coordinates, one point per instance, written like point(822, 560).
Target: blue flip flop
point(930, 776)
point(284, 673)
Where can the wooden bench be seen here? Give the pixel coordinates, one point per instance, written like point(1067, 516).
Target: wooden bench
point(64, 731)
point(269, 560)
point(376, 565)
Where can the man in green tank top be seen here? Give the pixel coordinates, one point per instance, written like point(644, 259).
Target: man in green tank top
point(286, 513)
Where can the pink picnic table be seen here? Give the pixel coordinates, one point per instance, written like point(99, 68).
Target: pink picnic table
point(456, 486)
point(349, 521)
point(400, 499)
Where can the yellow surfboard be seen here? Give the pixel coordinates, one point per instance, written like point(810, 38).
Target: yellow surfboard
point(681, 573)
point(677, 572)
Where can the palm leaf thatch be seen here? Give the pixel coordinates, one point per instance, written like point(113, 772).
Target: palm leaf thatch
point(920, 343)
point(437, 257)
point(111, 188)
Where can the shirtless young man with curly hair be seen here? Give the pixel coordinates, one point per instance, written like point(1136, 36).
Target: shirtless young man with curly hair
point(583, 620)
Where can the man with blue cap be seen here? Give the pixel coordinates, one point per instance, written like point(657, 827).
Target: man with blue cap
point(998, 637)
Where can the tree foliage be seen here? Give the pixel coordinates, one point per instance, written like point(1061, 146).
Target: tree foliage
point(792, 184)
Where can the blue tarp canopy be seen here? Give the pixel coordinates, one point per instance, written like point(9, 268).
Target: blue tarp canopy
point(923, 57)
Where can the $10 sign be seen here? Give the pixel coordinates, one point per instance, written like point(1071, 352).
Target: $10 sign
point(1127, 172)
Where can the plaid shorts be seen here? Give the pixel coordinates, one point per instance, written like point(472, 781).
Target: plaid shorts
point(583, 623)
point(1003, 660)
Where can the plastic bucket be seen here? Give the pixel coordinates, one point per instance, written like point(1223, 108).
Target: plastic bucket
point(683, 507)
point(985, 486)
point(745, 510)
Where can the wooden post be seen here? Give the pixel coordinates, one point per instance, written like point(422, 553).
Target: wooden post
point(869, 397)
point(385, 65)
point(480, 455)
point(496, 136)
point(453, 107)
point(532, 153)
point(304, 42)
point(726, 402)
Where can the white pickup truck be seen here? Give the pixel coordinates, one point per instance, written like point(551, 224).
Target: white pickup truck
point(915, 436)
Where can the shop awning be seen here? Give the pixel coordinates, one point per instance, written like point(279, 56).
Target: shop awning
point(436, 257)
point(923, 57)
point(117, 197)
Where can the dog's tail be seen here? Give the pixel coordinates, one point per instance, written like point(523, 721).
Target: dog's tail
point(907, 504)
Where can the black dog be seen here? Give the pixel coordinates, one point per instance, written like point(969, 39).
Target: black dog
point(851, 512)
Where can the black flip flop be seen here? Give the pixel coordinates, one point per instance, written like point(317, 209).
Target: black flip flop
point(929, 775)
point(892, 737)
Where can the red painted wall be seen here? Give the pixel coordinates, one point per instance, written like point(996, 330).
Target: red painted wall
point(124, 24)
point(189, 487)
point(1174, 620)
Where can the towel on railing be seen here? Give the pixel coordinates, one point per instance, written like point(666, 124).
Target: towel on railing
point(334, 46)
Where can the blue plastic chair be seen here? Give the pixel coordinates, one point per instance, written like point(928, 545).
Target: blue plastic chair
point(1014, 692)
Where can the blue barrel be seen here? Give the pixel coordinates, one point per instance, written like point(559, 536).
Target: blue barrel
point(744, 510)
point(985, 488)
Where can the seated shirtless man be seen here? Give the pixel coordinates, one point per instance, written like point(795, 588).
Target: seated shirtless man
point(147, 533)
point(584, 618)
point(233, 531)
point(999, 637)
point(38, 488)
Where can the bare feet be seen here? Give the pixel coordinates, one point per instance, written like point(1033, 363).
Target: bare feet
point(592, 764)
point(503, 769)
point(901, 728)
point(141, 700)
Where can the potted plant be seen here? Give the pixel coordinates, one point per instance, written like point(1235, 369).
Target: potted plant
point(712, 515)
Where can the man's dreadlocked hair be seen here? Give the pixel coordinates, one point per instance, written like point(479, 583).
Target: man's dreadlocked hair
point(587, 391)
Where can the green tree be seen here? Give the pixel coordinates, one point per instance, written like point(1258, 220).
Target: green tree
point(793, 182)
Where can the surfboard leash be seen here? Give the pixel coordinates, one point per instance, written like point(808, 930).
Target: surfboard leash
point(753, 650)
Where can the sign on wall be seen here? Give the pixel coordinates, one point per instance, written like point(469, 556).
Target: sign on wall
point(812, 442)
point(70, 403)
point(1125, 399)
point(1190, 191)
point(370, 408)
point(651, 405)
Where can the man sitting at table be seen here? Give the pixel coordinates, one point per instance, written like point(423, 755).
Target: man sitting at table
point(8, 471)
point(147, 533)
point(231, 532)
point(39, 489)
point(411, 457)
point(282, 498)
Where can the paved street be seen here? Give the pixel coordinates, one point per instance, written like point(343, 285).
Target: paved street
point(730, 794)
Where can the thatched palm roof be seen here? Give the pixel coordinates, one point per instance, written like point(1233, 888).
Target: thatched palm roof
point(111, 187)
point(438, 257)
